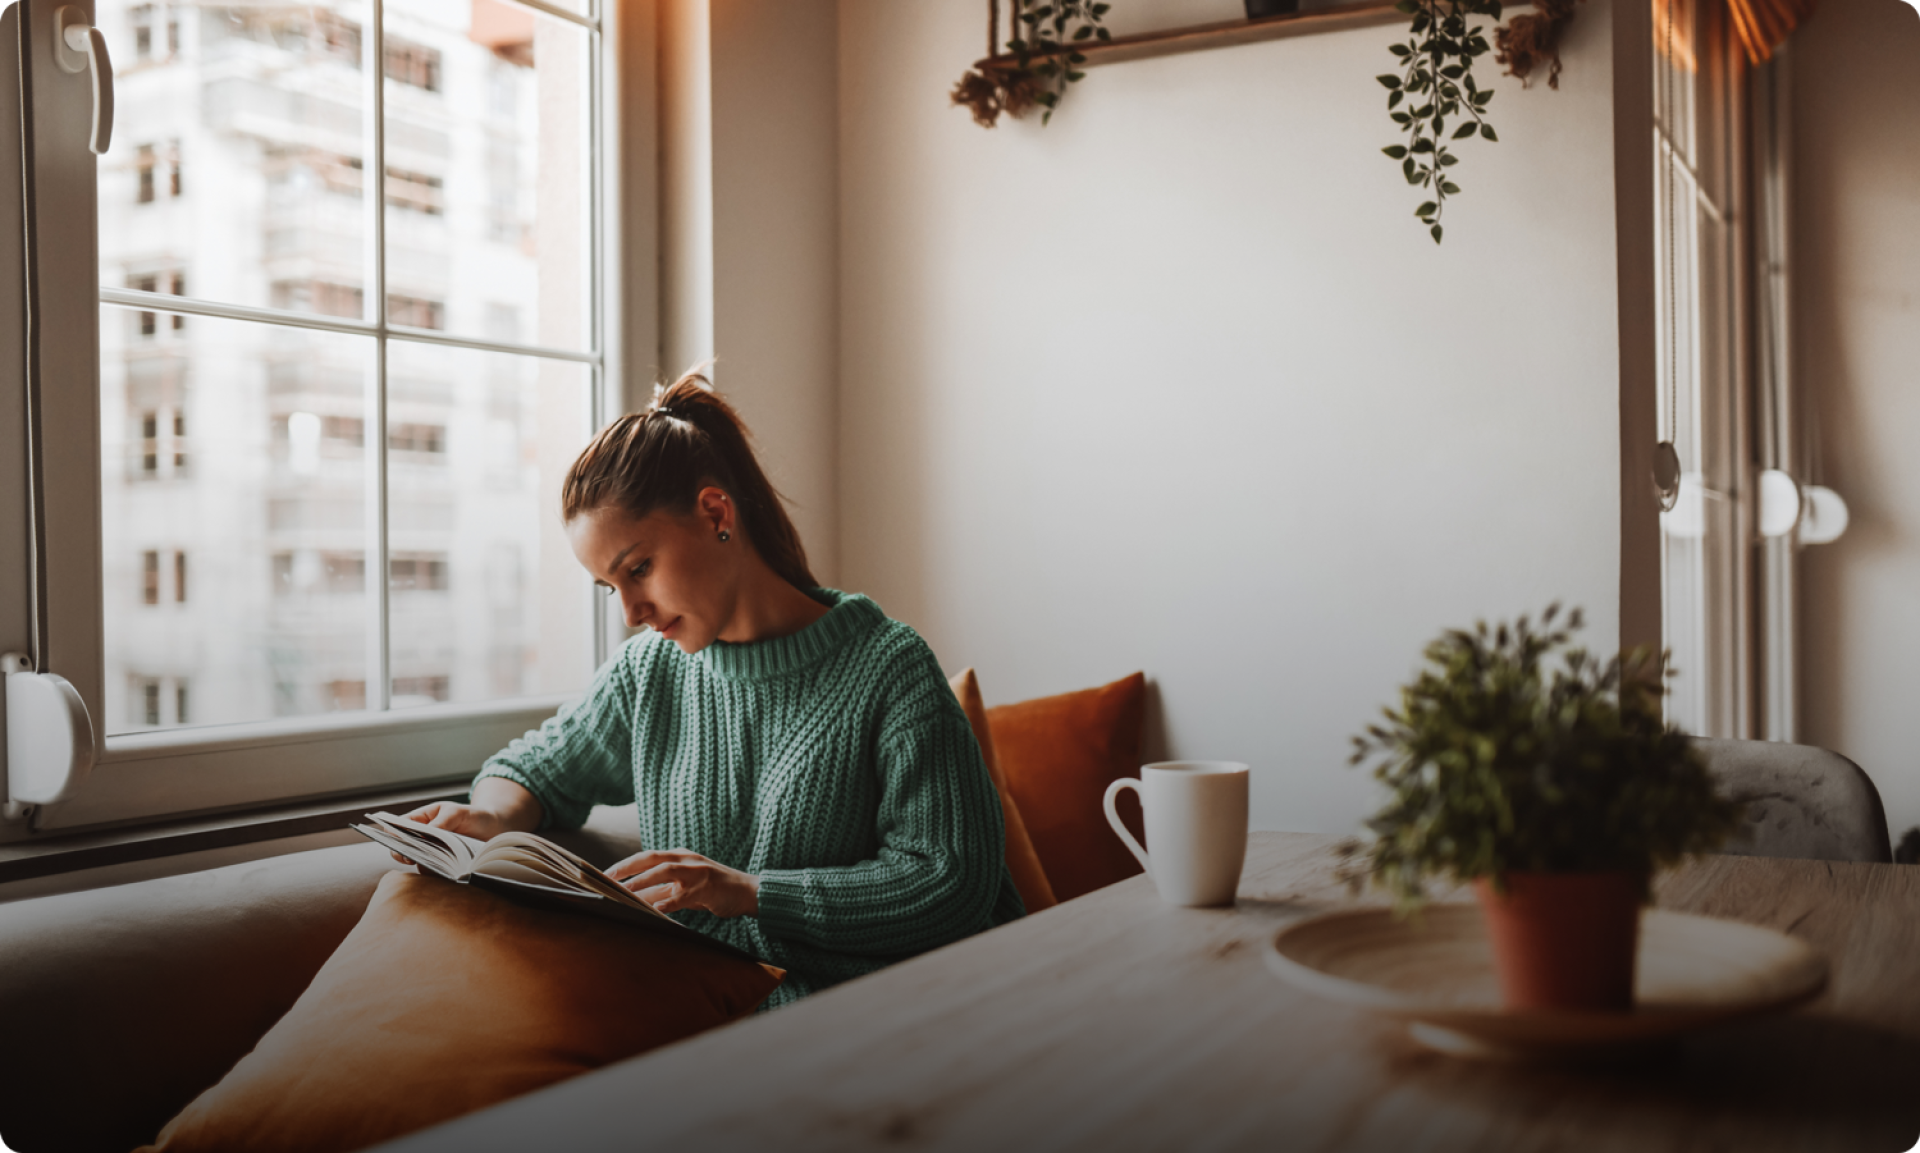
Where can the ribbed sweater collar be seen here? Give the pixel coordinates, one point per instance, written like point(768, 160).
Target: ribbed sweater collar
point(848, 616)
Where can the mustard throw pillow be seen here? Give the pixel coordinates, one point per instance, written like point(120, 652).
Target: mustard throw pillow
point(1058, 754)
point(445, 999)
point(1028, 875)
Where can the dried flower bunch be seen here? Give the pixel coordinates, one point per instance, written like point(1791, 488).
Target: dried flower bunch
point(1041, 59)
point(1497, 762)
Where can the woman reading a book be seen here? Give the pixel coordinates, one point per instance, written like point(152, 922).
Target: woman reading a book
point(807, 785)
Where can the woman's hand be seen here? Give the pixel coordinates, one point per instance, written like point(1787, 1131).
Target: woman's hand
point(499, 806)
point(675, 879)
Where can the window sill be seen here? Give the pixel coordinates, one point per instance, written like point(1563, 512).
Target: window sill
point(54, 855)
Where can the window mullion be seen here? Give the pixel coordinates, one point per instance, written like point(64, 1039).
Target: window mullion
point(374, 201)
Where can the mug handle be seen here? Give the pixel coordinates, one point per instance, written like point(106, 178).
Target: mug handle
point(1113, 816)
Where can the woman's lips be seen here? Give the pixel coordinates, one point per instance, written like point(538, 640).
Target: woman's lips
point(663, 630)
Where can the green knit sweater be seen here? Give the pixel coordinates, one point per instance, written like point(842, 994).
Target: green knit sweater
point(835, 763)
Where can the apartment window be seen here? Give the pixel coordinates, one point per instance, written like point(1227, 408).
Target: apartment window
point(420, 690)
point(414, 64)
point(417, 437)
point(150, 443)
point(415, 312)
point(140, 19)
point(414, 190)
point(328, 298)
point(150, 577)
point(172, 281)
point(424, 573)
point(322, 572)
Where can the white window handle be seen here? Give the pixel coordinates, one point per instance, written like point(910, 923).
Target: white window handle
point(49, 737)
point(79, 47)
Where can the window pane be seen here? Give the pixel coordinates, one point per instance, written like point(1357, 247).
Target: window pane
point(237, 167)
point(233, 514)
point(486, 172)
point(486, 599)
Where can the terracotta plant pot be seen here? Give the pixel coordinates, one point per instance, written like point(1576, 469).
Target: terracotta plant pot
point(1564, 940)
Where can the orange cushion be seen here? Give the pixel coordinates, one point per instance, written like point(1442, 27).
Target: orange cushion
point(1059, 754)
point(1028, 875)
point(445, 999)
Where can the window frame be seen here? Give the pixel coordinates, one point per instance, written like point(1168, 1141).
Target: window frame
point(174, 773)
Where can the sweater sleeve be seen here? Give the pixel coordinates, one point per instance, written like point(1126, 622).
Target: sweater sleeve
point(940, 872)
point(581, 756)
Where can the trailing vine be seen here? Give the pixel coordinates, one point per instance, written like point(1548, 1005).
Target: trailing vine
point(1437, 85)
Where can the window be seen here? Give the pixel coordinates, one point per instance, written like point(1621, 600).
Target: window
point(334, 491)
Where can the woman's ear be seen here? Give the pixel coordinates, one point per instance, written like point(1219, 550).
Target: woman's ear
point(713, 506)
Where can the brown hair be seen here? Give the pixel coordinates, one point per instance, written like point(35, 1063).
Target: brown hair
point(687, 439)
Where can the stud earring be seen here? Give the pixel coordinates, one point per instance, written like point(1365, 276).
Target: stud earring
point(724, 537)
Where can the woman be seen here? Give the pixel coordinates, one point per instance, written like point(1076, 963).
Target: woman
point(808, 787)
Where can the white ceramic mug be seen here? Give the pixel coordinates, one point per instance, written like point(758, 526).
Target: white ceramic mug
point(1197, 824)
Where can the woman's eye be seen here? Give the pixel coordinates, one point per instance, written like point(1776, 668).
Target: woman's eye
point(639, 570)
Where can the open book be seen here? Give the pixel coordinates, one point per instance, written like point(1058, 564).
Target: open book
point(528, 868)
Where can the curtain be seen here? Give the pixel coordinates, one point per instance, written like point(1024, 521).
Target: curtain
point(1758, 26)
point(1763, 25)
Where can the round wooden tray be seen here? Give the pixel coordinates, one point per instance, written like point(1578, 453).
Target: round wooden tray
point(1436, 970)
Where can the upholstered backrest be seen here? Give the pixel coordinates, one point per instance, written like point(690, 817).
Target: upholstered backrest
point(1804, 801)
point(123, 1003)
point(119, 1005)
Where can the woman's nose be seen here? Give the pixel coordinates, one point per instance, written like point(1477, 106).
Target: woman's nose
point(636, 611)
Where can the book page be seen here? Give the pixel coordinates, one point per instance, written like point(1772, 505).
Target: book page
point(530, 851)
point(453, 852)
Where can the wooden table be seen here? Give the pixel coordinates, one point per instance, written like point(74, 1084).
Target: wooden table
point(1117, 1022)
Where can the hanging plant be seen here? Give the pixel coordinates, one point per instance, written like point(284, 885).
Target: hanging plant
point(1436, 85)
point(1042, 57)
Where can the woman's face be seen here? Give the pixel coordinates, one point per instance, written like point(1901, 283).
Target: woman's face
point(671, 572)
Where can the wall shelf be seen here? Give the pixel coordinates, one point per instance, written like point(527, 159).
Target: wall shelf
point(1229, 33)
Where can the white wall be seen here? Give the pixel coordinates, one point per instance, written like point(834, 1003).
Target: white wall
point(749, 236)
point(1178, 384)
point(1856, 220)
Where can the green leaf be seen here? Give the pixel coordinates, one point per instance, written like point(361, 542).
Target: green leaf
point(1082, 32)
point(1436, 234)
point(1467, 129)
point(1100, 10)
point(1396, 151)
point(1104, 34)
point(1449, 188)
point(1413, 177)
point(1439, 126)
point(1401, 117)
point(1075, 77)
point(1453, 71)
point(1400, 50)
point(1449, 160)
point(1427, 209)
point(1406, 6)
point(1484, 98)
point(1076, 58)
point(1387, 81)
point(1423, 145)
point(1486, 130)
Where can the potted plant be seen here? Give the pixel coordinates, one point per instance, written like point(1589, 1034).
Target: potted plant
point(1554, 786)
